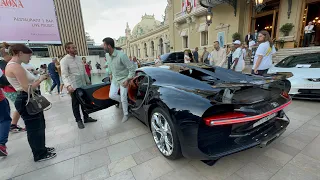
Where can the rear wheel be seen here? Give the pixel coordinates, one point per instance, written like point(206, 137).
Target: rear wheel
point(165, 134)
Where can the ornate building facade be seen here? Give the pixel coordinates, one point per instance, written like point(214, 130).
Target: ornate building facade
point(185, 27)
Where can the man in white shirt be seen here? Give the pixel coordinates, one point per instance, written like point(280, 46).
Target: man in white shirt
point(218, 56)
point(308, 30)
point(237, 57)
point(74, 76)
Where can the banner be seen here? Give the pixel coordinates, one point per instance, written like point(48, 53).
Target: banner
point(28, 21)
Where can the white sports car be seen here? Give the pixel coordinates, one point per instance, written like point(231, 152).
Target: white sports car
point(305, 82)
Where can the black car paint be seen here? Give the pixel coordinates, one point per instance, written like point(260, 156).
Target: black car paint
point(185, 99)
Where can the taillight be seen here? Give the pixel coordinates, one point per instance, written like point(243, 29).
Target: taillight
point(285, 94)
point(225, 116)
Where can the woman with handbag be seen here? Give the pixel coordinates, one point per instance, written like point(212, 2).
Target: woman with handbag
point(28, 104)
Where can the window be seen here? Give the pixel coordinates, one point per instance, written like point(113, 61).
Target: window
point(185, 42)
point(312, 59)
point(204, 38)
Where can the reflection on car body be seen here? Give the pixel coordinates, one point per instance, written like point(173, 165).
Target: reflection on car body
point(202, 112)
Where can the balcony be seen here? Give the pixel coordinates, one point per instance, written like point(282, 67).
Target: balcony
point(182, 17)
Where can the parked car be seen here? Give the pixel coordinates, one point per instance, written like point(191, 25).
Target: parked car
point(305, 82)
point(173, 57)
point(199, 111)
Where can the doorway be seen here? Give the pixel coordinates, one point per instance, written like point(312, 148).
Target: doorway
point(266, 18)
point(311, 13)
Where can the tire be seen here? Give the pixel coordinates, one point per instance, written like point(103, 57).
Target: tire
point(172, 137)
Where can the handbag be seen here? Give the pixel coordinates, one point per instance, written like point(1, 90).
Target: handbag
point(36, 103)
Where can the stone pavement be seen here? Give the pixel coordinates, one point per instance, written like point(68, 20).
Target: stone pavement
point(111, 150)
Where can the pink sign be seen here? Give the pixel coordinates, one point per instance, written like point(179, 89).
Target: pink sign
point(32, 21)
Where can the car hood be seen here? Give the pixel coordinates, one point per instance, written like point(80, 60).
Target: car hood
point(298, 72)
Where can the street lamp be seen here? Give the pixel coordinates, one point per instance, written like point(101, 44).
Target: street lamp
point(209, 16)
point(259, 5)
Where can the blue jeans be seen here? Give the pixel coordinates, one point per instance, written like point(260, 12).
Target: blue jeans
point(56, 82)
point(5, 121)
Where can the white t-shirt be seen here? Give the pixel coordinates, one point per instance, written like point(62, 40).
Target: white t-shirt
point(265, 51)
point(238, 53)
point(186, 59)
point(308, 29)
point(251, 43)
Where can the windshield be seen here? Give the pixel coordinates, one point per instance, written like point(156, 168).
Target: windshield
point(164, 56)
point(304, 60)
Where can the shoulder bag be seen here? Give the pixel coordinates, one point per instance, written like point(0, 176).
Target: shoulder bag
point(36, 103)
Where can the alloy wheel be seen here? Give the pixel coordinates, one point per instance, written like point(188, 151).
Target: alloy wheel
point(162, 133)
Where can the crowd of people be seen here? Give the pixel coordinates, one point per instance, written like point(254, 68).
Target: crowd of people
point(17, 77)
point(258, 47)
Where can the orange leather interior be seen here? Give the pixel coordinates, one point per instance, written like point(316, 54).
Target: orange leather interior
point(102, 93)
point(133, 88)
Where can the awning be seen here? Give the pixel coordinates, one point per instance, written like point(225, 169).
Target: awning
point(203, 27)
point(184, 33)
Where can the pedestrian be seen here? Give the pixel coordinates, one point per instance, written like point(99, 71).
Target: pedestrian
point(230, 50)
point(237, 57)
point(196, 55)
point(87, 67)
point(98, 66)
point(21, 80)
point(58, 66)
point(74, 76)
point(121, 70)
point(308, 30)
point(135, 62)
point(218, 55)
point(53, 73)
point(8, 90)
point(204, 56)
point(263, 55)
point(5, 118)
point(187, 57)
point(47, 82)
point(248, 37)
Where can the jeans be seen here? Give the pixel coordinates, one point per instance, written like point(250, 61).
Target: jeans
point(307, 39)
point(35, 126)
point(123, 98)
point(56, 82)
point(76, 108)
point(5, 121)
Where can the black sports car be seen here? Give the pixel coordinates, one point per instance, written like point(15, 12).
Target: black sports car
point(199, 111)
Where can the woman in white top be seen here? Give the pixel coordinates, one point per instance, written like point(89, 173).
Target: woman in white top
point(187, 58)
point(21, 79)
point(263, 56)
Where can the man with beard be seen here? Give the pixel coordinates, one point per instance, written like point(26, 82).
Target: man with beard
point(121, 70)
point(74, 76)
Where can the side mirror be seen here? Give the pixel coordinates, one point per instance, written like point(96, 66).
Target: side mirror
point(106, 79)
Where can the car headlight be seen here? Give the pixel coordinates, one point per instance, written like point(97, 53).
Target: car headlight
point(314, 79)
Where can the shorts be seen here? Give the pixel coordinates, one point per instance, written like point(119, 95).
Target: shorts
point(12, 96)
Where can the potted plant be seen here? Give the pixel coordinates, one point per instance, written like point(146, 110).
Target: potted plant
point(236, 36)
point(286, 28)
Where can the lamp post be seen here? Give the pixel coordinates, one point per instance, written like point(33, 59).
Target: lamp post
point(259, 5)
point(209, 16)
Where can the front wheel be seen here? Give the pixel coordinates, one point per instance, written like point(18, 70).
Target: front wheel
point(165, 134)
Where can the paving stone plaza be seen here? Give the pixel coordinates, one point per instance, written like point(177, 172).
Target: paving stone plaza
point(111, 150)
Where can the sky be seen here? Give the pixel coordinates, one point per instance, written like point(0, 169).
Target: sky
point(108, 18)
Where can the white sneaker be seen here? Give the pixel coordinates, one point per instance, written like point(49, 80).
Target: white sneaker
point(125, 118)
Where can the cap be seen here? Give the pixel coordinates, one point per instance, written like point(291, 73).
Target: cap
point(237, 42)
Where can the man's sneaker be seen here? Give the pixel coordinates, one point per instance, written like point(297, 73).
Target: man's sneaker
point(80, 125)
point(50, 149)
point(47, 157)
point(3, 150)
point(15, 128)
point(125, 118)
point(89, 119)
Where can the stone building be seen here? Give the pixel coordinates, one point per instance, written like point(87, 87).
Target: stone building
point(184, 25)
